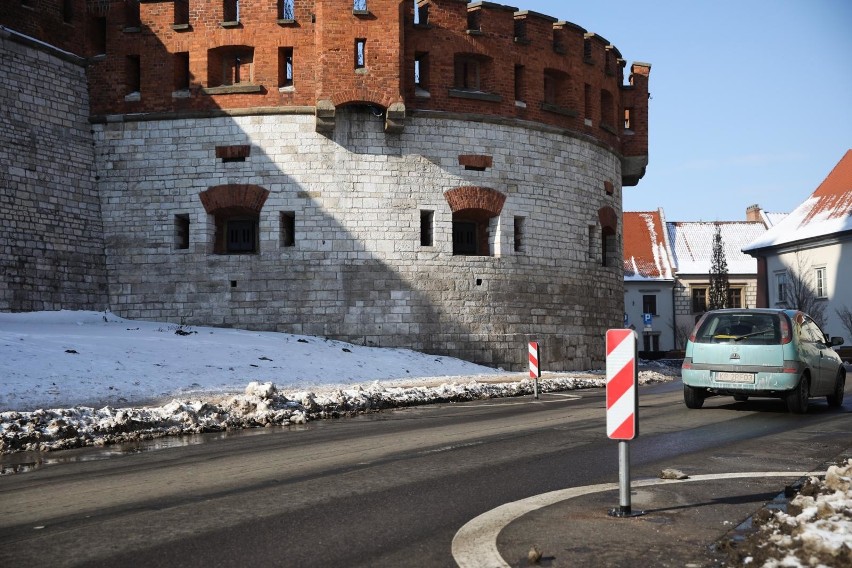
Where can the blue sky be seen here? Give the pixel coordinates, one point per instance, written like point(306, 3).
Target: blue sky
point(751, 100)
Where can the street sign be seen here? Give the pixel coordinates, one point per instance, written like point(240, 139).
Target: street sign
point(621, 385)
point(535, 372)
point(647, 319)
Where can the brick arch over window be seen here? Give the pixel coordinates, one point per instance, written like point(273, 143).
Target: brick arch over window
point(236, 211)
point(234, 196)
point(471, 197)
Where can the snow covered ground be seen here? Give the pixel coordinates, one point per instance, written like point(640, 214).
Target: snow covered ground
point(74, 379)
point(70, 379)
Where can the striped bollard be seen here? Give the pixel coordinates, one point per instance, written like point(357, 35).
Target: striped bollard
point(535, 370)
point(622, 407)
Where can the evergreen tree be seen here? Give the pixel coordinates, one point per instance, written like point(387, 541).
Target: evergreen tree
point(719, 287)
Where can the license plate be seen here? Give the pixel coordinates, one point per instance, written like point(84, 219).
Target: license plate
point(726, 377)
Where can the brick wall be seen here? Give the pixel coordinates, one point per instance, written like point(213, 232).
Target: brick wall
point(358, 271)
point(51, 247)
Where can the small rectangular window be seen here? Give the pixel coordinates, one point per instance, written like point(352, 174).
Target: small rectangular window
point(519, 83)
point(519, 234)
point(587, 50)
point(820, 283)
point(181, 12)
point(99, 32)
point(649, 304)
point(132, 17)
point(628, 123)
point(781, 287)
point(421, 13)
point(288, 228)
point(520, 29)
point(231, 10)
point(421, 71)
point(607, 247)
point(735, 298)
point(427, 221)
point(587, 101)
point(286, 11)
point(182, 231)
point(474, 21)
point(133, 77)
point(359, 5)
point(285, 67)
point(67, 10)
point(181, 62)
point(360, 53)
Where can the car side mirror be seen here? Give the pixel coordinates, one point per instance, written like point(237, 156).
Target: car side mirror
point(835, 341)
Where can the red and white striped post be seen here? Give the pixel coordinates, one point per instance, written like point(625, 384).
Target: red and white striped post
point(535, 369)
point(622, 406)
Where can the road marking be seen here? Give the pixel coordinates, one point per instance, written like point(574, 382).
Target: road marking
point(475, 544)
point(565, 396)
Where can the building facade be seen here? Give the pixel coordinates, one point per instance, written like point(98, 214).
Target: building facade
point(439, 175)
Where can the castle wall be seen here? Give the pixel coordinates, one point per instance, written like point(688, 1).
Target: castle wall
point(51, 247)
point(357, 270)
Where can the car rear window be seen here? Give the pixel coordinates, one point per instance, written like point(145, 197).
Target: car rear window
point(740, 327)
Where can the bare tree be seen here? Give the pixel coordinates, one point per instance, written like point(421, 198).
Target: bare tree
point(800, 293)
point(845, 316)
point(719, 286)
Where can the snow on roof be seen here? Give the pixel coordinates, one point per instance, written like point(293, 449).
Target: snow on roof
point(646, 250)
point(772, 219)
point(693, 245)
point(826, 212)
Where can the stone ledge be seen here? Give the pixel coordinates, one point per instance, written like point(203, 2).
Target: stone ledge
point(475, 95)
point(232, 89)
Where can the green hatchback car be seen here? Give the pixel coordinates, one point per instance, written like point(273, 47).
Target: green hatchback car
point(762, 353)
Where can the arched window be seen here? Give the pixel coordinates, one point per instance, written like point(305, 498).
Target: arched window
point(473, 209)
point(236, 212)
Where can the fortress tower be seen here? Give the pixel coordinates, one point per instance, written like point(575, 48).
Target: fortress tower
point(438, 175)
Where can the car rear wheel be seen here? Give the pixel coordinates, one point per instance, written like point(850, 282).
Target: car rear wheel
point(835, 399)
point(797, 399)
point(693, 397)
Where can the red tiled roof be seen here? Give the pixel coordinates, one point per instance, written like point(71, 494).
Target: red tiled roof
point(834, 194)
point(645, 251)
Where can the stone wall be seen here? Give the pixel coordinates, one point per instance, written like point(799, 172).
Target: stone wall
point(51, 246)
point(357, 270)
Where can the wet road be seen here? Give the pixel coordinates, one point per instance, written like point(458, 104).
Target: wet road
point(389, 489)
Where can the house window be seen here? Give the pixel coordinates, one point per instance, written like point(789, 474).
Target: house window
point(359, 5)
point(181, 12)
point(649, 304)
point(132, 17)
point(735, 297)
point(181, 71)
point(820, 282)
point(520, 87)
point(474, 21)
point(427, 220)
point(181, 231)
point(421, 72)
point(240, 235)
point(781, 287)
point(288, 228)
point(651, 341)
point(67, 10)
point(467, 73)
point(285, 10)
point(519, 234)
point(133, 74)
point(699, 300)
point(231, 10)
point(285, 67)
point(360, 53)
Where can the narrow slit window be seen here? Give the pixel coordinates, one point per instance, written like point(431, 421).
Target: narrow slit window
point(231, 10)
point(286, 11)
point(133, 78)
point(587, 101)
point(132, 17)
point(285, 66)
point(421, 71)
point(628, 122)
point(288, 228)
point(519, 83)
point(427, 221)
point(360, 53)
point(519, 234)
point(181, 61)
point(181, 231)
point(67, 10)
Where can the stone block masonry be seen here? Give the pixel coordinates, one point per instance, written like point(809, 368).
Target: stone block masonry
point(51, 239)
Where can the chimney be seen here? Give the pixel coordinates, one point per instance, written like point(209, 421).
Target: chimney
point(753, 213)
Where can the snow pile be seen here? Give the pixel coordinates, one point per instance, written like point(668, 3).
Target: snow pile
point(261, 405)
point(816, 530)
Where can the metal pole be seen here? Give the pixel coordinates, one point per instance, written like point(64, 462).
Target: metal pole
point(535, 388)
point(624, 478)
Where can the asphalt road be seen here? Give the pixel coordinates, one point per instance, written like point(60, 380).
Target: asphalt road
point(389, 489)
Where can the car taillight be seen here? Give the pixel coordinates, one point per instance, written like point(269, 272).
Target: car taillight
point(786, 335)
point(687, 363)
point(790, 367)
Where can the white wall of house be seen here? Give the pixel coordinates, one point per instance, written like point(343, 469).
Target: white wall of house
point(827, 267)
point(660, 334)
